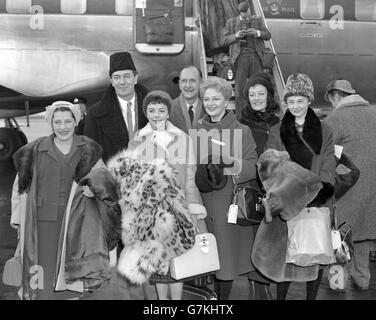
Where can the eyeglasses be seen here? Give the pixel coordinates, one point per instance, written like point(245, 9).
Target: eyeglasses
point(299, 103)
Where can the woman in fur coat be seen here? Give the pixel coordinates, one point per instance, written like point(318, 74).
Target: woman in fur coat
point(226, 152)
point(161, 140)
point(48, 172)
point(259, 114)
point(310, 144)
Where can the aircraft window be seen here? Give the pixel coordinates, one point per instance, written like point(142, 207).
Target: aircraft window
point(73, 6)
point(124, 7)
point(20, 6)
point(312, 9)
point(365, 9)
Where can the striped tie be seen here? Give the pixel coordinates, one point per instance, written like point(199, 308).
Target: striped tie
point(130, 120)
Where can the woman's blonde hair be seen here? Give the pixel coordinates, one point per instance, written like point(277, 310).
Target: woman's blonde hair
point(218, 84)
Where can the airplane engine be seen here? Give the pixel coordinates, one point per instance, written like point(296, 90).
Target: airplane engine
point(11, 139)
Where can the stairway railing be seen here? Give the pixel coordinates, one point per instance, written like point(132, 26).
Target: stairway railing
point(277, 73)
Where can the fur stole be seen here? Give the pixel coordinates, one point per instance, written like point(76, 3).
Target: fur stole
point(312, 134)
point(24, 160)
point(156, 224)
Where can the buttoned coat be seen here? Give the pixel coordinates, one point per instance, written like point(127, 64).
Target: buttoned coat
point(105, 123)
point(179, 116)
point(234, 241)
point(234, 25)
point(353, 123)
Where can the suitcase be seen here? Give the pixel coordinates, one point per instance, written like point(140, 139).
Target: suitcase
point(198, 293)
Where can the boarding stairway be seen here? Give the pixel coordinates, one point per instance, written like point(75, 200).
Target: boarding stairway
point(207, 63)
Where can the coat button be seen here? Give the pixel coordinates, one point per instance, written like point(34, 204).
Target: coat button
point(70, 164)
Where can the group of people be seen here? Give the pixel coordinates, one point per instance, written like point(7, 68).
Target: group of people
point(73, 180)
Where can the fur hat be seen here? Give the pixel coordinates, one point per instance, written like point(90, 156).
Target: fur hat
point(299, 84)
point(259, 78)
point(121, 61)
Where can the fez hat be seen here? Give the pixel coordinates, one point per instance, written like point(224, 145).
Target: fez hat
point(121, 61)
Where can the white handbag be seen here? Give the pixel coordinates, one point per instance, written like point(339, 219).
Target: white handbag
point(202, 258)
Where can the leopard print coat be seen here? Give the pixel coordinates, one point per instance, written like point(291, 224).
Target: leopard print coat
point(156, 224)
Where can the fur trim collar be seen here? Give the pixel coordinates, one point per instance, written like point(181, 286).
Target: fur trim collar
point(312, 135)
point(170, 128)
point(24, 159)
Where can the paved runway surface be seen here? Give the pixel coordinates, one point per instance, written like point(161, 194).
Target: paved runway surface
point(118, 288)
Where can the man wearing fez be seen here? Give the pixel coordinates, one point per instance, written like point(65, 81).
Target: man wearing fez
point(245, 35)
point(113, 121)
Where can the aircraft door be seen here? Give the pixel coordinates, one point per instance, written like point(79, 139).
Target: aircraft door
point(310, 36)
point(159, 26)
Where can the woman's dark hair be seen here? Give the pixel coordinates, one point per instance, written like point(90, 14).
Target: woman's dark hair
point(157, 96)
point(264, 79)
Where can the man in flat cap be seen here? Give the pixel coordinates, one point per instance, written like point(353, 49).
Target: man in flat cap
point(353, 122)
point(245, 35)
point(81, 102)
point(113, 121)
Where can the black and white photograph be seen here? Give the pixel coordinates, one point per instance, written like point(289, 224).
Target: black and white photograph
point(220, 150)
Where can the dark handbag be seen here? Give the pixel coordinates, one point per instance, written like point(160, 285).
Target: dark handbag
point(344, 253)
point(268, 59)
point(248, 197)
point(159, 32)
point(347, 174)
point(198, 293)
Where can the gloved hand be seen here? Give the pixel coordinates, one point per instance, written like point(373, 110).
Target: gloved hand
point(324, 194)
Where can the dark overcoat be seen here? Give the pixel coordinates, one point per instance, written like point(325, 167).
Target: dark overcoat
point(105, 123)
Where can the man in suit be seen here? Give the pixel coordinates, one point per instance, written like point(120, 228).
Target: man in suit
point(113, 121)
point(245, 35)
point(187, 108)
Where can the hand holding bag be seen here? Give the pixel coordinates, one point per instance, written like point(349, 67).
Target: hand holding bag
point(12, 274)
point(248, 197)
point(309, 238)
point(202, 258)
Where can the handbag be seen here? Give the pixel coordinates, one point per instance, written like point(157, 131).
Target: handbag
point(342, 240)
point(12, 274)
point(248, 197)
point(309, 238)
point(347, 174)
point(159, 32)
point(268, 59)
point(201, 258)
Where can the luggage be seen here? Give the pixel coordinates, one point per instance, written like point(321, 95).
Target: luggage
point(198, 293)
